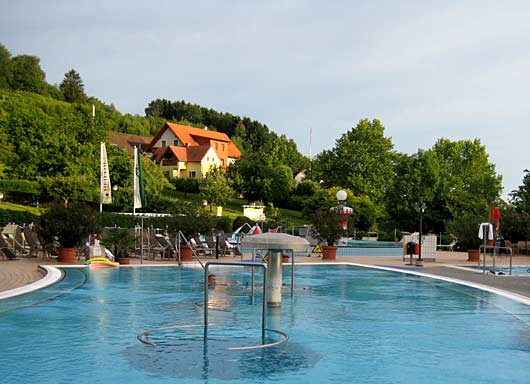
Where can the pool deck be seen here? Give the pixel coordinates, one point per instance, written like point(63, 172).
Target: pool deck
point(18, 273)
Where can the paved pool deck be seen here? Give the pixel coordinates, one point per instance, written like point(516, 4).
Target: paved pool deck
point(18, 273)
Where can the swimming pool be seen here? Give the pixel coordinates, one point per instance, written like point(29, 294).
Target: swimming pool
point(516, 271)
point(346, 324)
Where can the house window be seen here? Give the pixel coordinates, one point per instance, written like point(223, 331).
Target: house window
point(163, 143)
point(222, 147)
point(215, 146)
point(193, 175)
point(175, 143)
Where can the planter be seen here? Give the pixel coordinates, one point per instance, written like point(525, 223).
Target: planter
point(285, 259)
point(329, 252)
point(124, 260)
point(473, 255)
point(185, 253)
point(67, 255)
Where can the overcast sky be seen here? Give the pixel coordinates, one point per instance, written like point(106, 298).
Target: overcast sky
point(455, 69)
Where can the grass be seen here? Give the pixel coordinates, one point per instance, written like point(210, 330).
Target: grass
point(18, 207)
point(234, 208)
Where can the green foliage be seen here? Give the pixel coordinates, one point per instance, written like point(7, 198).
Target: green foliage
point(189, 220)
point(241, 220)
point(262, 179)
point(23, 186)
point(20, 217)
point(465, 228)
point(70, 225)
point(360, 161)
point(6, 70)
point(223, 223)
point(27, 74)
point(72, 87)
point(188, 185)
point(326, 225)
point(120, 240)
point(214, 188)
point(66, 188)
point(520, 198)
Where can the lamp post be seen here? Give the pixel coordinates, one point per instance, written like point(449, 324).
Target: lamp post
point(204, 204)
point(1, 197)
point(342, 209)
point(421, 208)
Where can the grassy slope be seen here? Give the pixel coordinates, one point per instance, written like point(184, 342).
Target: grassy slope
point(233, 209)
point(18, 207)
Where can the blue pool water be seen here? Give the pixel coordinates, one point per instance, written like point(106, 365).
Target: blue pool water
point(346, 325)
point(516, 271)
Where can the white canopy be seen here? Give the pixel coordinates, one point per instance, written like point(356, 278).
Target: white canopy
point(276, 241)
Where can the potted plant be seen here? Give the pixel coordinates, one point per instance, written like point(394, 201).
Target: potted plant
point(68, 225)
point(326, 226)
point(121, 242)
point(465, 228)
point(189, 221)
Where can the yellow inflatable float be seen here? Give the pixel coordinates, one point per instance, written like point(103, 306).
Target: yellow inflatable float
point(101, 262)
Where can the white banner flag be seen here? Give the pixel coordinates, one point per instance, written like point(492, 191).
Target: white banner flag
point(138, 183)
point(106, 189)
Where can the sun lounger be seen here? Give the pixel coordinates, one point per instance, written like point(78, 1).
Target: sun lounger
point(447, 247)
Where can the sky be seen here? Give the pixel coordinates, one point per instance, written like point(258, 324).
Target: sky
point(426, 69)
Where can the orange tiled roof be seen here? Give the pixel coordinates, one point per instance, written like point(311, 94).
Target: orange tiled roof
point(233, 151)
point(185, 154)
point(188, 133)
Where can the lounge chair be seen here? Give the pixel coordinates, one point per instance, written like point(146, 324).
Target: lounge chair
point(35, 245)
point(8, 253)
point(447, 247)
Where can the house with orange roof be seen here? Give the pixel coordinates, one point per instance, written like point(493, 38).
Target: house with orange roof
point(182, 151)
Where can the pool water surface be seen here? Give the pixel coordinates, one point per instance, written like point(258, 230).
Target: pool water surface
point(346, 324)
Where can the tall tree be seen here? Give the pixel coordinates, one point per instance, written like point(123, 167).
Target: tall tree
point(73, 88)
point(27, 74)
point(361, 161)
point(520, 198)
point(6, 70)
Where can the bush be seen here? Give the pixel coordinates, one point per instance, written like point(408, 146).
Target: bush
point(19, 217)
point(241, 220)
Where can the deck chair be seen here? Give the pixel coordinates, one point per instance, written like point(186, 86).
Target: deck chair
point(202, 249)
point(165, 242)
point(225, 246)
point(13, 235)
point(154, 247)
point(447, 247)
point(35, 245)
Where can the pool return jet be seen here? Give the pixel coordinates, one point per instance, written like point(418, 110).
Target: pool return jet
point(275, 243)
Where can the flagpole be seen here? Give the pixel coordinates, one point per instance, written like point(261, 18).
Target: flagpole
point(135, 179)
point(101, 177)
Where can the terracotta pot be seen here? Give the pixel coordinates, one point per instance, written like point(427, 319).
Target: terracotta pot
point(285, 259)
point(124, 260)
point(473, 255)
point(185, 253)
point(67, 255)
point(329, 252)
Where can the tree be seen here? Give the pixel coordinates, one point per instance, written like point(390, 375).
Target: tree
point(73, 88)
point(361, 161)
point(6, 70)
point(27, 74)
point(214, 188)
point(520, 197)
